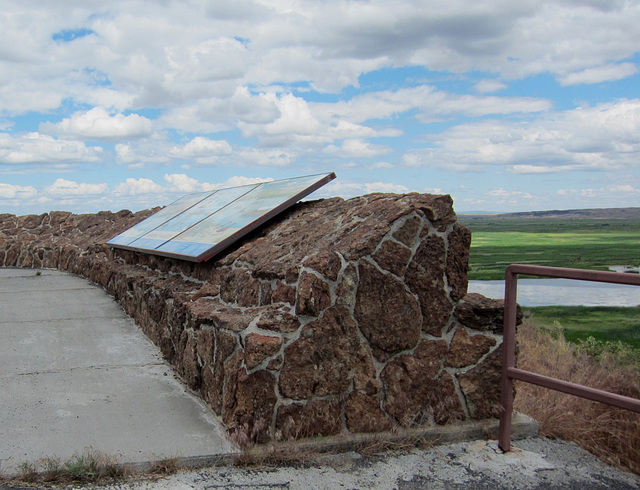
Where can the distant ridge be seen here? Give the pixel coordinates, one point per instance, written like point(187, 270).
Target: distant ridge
point(603, 213)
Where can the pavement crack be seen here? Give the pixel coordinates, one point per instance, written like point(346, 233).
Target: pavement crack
point(87, 368)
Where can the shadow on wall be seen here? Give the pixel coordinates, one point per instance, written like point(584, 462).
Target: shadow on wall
point(335, 317)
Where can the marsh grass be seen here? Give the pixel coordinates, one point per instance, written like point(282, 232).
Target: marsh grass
point(578, 243)
point(613, 327)
point(610, 433)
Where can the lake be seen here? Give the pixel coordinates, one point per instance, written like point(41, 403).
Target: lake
point(565, 292)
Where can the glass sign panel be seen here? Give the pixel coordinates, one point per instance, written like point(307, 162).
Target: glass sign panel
point(198, 226)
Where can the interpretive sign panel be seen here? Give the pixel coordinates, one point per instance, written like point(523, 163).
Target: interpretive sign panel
point(198, 226)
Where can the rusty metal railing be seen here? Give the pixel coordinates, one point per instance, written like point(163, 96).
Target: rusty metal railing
point(510, 372)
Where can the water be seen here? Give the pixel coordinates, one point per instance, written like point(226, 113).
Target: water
point(565, 292)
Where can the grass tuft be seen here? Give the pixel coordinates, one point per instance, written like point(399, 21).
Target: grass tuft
point(610, 433)
point(87, 467)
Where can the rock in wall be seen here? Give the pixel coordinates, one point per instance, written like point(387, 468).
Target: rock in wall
point(335, 317)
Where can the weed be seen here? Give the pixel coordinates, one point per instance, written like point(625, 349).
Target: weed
point(51, 469)
point(608, 432)
point(612, 352)
point(28, 471)
point(90, 466)
point(165, 466)
point(83, 467)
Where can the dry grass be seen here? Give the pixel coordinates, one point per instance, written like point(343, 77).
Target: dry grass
point(610, 433)
point(310, 451)
point(87, 467)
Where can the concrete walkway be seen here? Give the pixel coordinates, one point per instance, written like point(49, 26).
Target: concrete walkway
point(77, 373)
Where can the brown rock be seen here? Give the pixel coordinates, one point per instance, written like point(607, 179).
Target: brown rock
point(259, 347)
point(189, 368)
point(275, 319)
point(226, 362)
point(393, 257)
point(458, 261)
point(407, 233)
point(481, 387)
point(208, 290)
point(284, 294)
point(321, 361)
point(425, 278)
point(266, 294)
point(30, 222)
point(275, 364)
point(314, 295)
point(410, 381)
point(205, 346)
point(484, 314)
point(388, 315)
point(316, 418)
point(444, 402)
point(210, 311)
point(439, 210)
point(326, 263)
point(365, 377)
point(241, 288)
point(466, 350)
point(363, 414)
point(346, 290)
point(251, 409)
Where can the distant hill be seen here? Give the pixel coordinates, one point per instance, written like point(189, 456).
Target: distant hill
point(604, 213)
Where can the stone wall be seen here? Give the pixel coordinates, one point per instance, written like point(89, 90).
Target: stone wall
point(337, 316)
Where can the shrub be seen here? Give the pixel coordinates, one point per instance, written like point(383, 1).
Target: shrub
point(610, 433)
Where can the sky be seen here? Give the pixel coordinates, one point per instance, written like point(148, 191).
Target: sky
point(505, 105)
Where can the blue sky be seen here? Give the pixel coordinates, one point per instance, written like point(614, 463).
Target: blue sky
point(507, 106)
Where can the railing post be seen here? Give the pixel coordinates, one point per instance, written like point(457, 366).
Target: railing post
point(508, 358)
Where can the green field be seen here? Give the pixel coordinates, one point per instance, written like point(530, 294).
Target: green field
point(604, 324)
point(582, 243)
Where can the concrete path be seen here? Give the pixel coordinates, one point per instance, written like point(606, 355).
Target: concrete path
point(77, 373)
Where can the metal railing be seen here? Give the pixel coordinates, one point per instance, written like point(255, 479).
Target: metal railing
point(510, 372)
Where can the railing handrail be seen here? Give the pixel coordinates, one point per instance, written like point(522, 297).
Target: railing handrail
point(509, 370)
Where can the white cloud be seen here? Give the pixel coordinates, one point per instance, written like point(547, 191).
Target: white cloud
point(243, 69)
point(381, 165)
point(385, 187)
point(8, 191)
point(98, 124)
point(179, 54)
point(606, 73)
point(603, 137)
point(39, 148)
point(502, 193)
point(431, 104)
point(623, 188)
point(353, 148)
point(152, 150)
point(276, 157)
point(488, 86)
point(239, 180)
point(142, 185)
point(68, 188)
point(184, 183)
point(347, 189)
point(202, 150)
point(295, 123)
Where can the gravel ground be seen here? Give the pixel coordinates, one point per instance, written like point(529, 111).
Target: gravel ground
point(534, 463)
